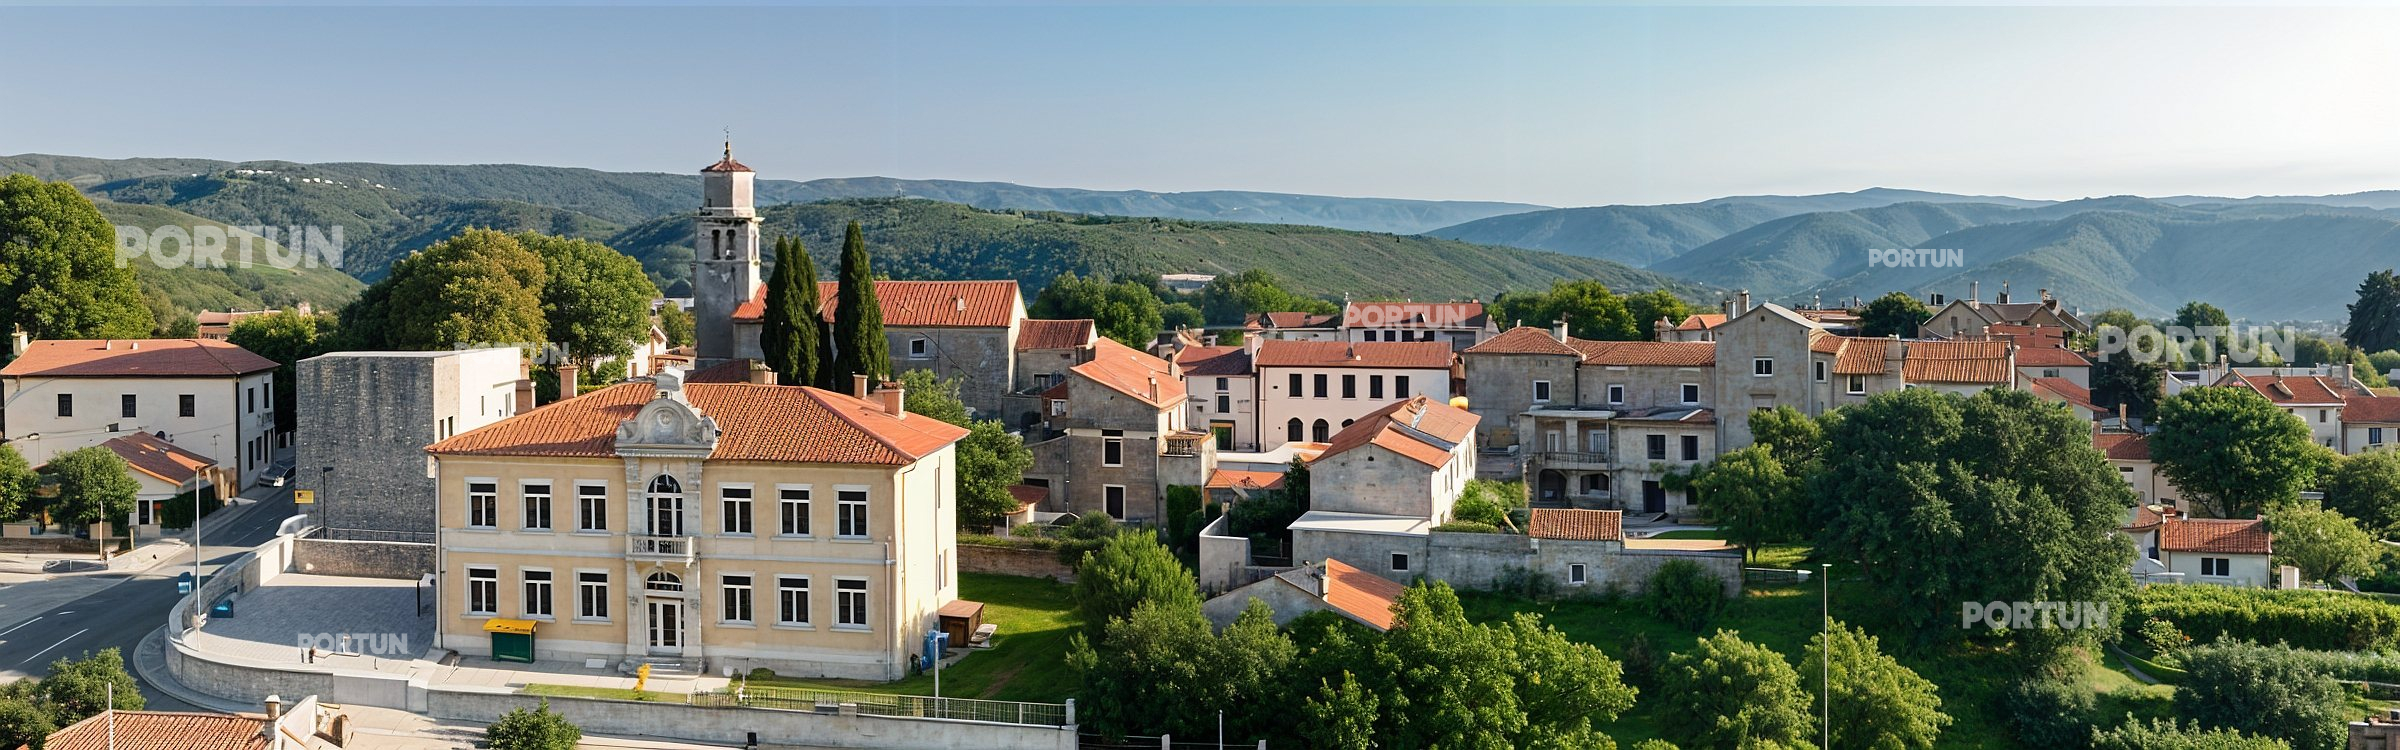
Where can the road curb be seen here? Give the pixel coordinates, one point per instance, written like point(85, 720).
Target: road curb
point(150, 663)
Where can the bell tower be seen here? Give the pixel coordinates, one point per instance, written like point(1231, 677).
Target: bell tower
point(725, 260)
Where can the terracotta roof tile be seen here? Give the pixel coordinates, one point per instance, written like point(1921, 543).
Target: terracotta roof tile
point(1133, 373)
point(1360, 594)
point(916, 304)
point(1859, 356)
point(1583, 525)
point(2371, 409)
point(1026, 494)
point(2066, 390)
point(1648, 353)
point(1524, 340)
point(1824, 343)
point(2291, 390)
point(1420, 355)
point(1416, 428)
point(1054, 334)
point(1225, 479)
point(1290, 320)
point(148, 454)
point(2123, 446)
point(1979, 362)
point(1213, 361)
point(2043, 356)
point(728, 371)
point(162, 730)
point(759, 423)
point(1701, 322)
point(165, 358)
point(2218, 535)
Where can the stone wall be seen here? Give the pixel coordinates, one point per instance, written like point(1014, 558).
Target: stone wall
point(1011, 561)
point(982, 360)
point(370, 418)
point(1475, 561)
point(49, 544)
point(732, 726)
point(338, 557)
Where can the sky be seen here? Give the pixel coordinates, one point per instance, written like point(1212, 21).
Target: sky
point(1554, 105)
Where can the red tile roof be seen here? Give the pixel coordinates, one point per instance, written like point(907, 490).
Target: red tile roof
point(2290, 390)
point(1289, 320)
point(2066, 390)
point(1648, 353)
point(162, 730)
point(1701, 322)
point(162, 358)
point(1226, 479)
point(1360, 594)
point(1858, 356)
point(2371, 409)
point(2043, 356)
point(148, 454)
point(1584, 525)
point(1524, 340)
point(759, 423)
point(2123, 446)
point(1413, 315)
point(1418, 355)
point(1125, 370)
point(1213, 361)
point(1415, 428)
point(1054, 334)
point(1979, 362)
point(916, 304)
point(2225, 536)
point(728, 371)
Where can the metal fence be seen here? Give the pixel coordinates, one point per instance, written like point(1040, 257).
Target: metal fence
point(878, 704)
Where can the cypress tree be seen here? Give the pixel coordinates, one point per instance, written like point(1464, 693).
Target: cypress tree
point(859, 346)
point(789, 340)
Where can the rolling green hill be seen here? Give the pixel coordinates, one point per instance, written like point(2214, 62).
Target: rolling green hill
point(923, 239)
point(1797, 252)
point(185, 290)
point(1648, 235)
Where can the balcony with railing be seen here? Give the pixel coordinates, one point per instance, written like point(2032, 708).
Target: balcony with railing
point(1585, 460)
point(661, 548)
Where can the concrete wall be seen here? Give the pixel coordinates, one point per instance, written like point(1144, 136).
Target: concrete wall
point(1011, 561)
point(731, 726)
point(334, 557)
point(1368, 552)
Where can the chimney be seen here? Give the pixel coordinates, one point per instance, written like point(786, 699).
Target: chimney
point(2121, 423)
point(1974, 292)
point(760, 375)
point(1742, 307)
point(1558, 330)
point(858, 386)
point(274, 711)
point(20, 341)
point(1663, 328)
point(1154, 389)
point(959, 303)
point(567, 382)
point(2003, 291)
point(524, 395)
point(895, 399)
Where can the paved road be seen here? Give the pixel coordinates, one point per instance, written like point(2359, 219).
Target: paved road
point(120, 615)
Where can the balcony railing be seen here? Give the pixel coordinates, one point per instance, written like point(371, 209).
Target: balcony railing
point(669, 548)
point(1571, 459)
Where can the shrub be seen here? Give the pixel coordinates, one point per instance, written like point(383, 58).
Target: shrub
point(1728, 692)
point(1655, 744)
point(1683, 593)
point(539, 729)
point(2268, 691)
point(1479, 510)
point(1641, 662)
point(2302, 618)
point(176, 512)
point(2163, 640)
point(2048, 710)
point(1468, 527)
point(2162, 734)
point(1526, 582)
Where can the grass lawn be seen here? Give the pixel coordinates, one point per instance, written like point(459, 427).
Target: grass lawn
point(1776, 555)
point(1784, 618)
point(1028, 661)
point(617, 694)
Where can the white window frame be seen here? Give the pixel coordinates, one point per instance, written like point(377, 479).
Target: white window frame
point(844, 508)
point(599, 507)
point(920, 347)
point(1576, 575)
point(1541, 391)
point(1400, 562)
point(1616, 393)
point(866, 601)
point(807, 607)
point(548, 598)
point(1762, 367)
point(489, 500)
point(1857, 385)
point(1690, 392)
point(725, 510)
point(1123, 500)
point(583, 613)
point(1108, 442)
point(525, 506)
point(744, 594)
point(483, 579)
point(783, 508)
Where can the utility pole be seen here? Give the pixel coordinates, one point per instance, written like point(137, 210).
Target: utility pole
point(1825, 647)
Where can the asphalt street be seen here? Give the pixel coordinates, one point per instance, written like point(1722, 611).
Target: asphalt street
point(121, 615)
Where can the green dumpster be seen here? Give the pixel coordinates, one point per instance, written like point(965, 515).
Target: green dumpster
point(512, 640)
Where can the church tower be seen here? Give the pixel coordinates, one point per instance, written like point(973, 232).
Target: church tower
point(725, 260)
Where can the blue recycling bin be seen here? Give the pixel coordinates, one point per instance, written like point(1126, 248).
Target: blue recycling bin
point(183, 582)
point(223, 609)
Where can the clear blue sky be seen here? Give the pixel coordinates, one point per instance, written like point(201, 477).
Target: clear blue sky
point(1553, 105)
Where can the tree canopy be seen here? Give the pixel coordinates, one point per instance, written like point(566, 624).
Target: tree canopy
point(1877, 702)
point(94, 485)
point(59, 277)
point(17, 482)
point(859, 346)
point(989, 458)
point(286, 336)
point(792, 335)
point(481, 287)
point(1589, 308)
point(2263, 691)
point(1731, 693)
point(2323, 544)
point(1894, 314)
point(2233, 451)
point(2374, 323)
point(2366, 487)
point(1229, 298)
point(1750, 496)
point(595, 300)
point(1126, 311)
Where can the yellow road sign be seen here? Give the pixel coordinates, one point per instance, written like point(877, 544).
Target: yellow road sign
point(304, 497)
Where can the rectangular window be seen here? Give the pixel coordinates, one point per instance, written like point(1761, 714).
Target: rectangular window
point(2374, 436)
point(2320, 413)
point(1058, 407)
point(1400, 386)
point(737, 598)
point(483, 505)
point(1658, 447)
point(1113, 497)
point(850, 514)
point(1541, 391)
point(66, 405)
point(126, 406)
point(483, 590)
point(1349, 386)
point(1112, 447)
point(850, 602)
point(1399, 562)
point(734, 510)
point(1319, 380)
point(2216, 566)
point(1375, 387)
point(1691, 447)
point(1691, 393)
point(1762, 366)
point(186, 405)
point(536, 498)
point(1296, 392)
point(916, 348)
point(1223, 384)
point(1616, 394)
point(253, 392)
point(793, 514)
point(1858, 385)
point(1575, 574)
point(791, 600)
point(591, 507)
point(591, 595)
point(1224, 404)
point(1819, 367)
point(537, 593)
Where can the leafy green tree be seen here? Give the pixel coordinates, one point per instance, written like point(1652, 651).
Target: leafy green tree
point(2310, 351)
point(480, 287)
point(595, 300)
point(2048, 709)
point(1750, 497)
point(1160, 671)
point(1685, 594)
point(1647, 308)
point(2264, 691)
point(1340, 716)
point(1564, 687)
point(1944, 500)
point(2375, 318)
point(1589, 308)
point(538, 729)
point(2383, 361)
point(859, 347)
point(24, 721)
point(79, 688)
point(789, 337)
point(1895, 314)
point(990, 460)
point(2324, 544)
point(2166, 734)
point(94, 485)
point(2196, 315)
point(1123, 310)
point(933, 396)
point(181, 326)
point(1127, 570)
point(2364, 368)
point(2233, 451)
point(17, 482)
point(2366, 487)
point(1731, 693)
point(1228, 299)
point(1796, 439)
point(1179, 315)
point(676, 323)
point(1877, 703)
point(59, 277)
point(286, 336)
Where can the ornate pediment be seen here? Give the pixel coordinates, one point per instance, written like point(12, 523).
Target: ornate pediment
point(669, 423)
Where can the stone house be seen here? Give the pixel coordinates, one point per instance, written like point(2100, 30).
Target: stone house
point(366, 417)
point(1308, 390)
point(1324, 586)
point(1973, 317)
point(1045, 350)
point(1117, 437)
point(1224, 392)
point(961, 330)
point(2129, 453)
point(707, 525)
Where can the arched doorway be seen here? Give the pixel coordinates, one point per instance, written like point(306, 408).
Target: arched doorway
point(1295, 431)
point(666, 506)
point(1322, 431)
point(663, 606)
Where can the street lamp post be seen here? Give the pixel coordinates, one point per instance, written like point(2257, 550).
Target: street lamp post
point(1825, 647)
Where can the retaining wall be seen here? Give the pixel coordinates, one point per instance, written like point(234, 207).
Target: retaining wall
point(1036, 563)
point(731, 726)
point(363, 559)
